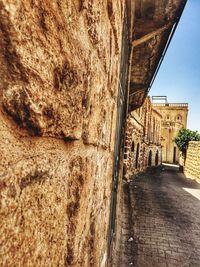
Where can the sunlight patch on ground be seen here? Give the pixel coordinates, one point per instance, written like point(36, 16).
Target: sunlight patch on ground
point(170, 165)
point(194, 192)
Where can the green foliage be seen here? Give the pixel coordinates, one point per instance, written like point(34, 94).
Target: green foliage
point(183, 138)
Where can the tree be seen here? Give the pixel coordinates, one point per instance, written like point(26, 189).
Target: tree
point(184, 137)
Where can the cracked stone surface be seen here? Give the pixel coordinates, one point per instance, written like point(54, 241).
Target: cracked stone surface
point(58, 104)
point(58, 61)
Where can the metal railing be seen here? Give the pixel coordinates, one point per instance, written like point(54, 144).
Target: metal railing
point(170, 104)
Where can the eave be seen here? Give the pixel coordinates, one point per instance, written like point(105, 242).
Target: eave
point(155, 23)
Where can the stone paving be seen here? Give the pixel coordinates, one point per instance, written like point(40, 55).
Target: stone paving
point(162, 228)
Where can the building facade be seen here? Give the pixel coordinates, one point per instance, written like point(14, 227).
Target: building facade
point(174, 118)
point(143, 140)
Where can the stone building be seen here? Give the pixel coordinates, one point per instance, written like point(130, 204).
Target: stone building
point(174, 118)
point(143, 139)
point(70, 73)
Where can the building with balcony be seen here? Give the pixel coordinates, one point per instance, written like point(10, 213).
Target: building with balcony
point(174, 118)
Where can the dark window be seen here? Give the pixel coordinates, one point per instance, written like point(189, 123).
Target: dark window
point(137, 155)
point(156, 159)
point(174, 155)
point(150, 158)
point(178, 118)
point(143, 156)
point(133, 147)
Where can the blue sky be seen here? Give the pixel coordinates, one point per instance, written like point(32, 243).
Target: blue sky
point(179, 75)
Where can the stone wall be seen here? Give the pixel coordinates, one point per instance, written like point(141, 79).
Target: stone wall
point(192, 162)
point(143, 143)
point(58, 93)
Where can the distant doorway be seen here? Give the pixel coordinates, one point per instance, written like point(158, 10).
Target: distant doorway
point(143, 161)
point(137, 155)
point(156, 158)
point(150, 158)
point(174, 155)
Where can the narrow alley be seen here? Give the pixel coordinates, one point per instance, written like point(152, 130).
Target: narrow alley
point(94, 96)
point(161, 220)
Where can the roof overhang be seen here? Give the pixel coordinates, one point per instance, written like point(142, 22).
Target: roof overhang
point(155, 23)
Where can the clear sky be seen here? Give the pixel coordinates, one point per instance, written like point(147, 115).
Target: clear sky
point(179, 75)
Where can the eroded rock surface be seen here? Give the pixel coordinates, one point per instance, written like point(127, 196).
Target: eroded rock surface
point(59, 82)
point(58, 61)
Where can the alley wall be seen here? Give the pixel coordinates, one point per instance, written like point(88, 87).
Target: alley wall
point(143, 140)
point(58, 101)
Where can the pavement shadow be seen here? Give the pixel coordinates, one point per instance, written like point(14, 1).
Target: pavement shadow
point(158, 196)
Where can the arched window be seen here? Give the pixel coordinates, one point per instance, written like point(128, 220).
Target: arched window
point(150, 158)
point(178, 118)
point(154, 130)
point(137, 155)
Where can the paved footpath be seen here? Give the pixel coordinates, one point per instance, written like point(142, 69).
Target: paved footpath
point(163, 221)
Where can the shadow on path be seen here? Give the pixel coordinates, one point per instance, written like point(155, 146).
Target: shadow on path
point(165, 219)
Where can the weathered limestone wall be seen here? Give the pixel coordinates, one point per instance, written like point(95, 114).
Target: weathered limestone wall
point(58, 91)
point(143, 140)
point(192, 162)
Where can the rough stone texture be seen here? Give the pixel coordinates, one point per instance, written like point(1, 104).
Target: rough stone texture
point(59, 82)
point(192, 161)
point(57, 65)
point(143, 140)
point(174, 118)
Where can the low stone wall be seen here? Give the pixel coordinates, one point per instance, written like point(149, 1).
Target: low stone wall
point(192, 162)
